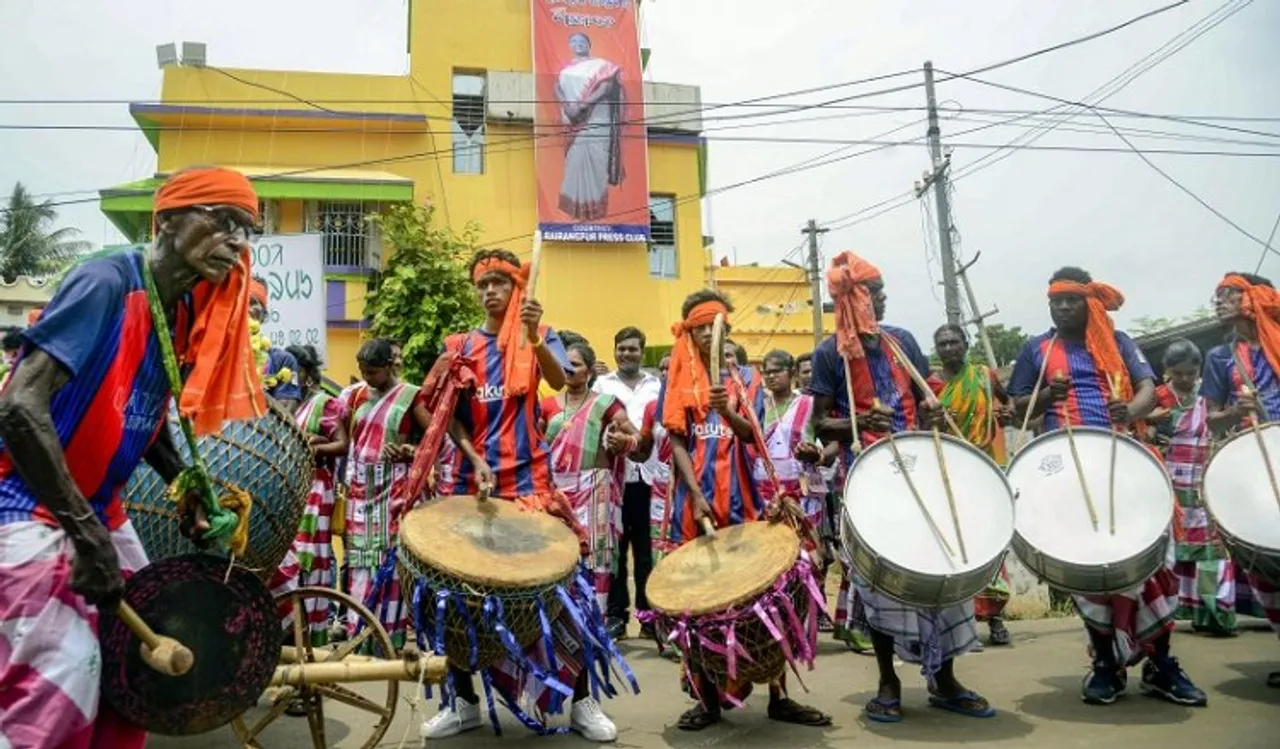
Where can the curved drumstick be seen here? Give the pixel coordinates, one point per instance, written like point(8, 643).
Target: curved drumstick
point(1075, 457)
point(1035, 393)
point(921, 383)
point(535, 263)
point(1262, 447)
point(915, 493)
point(717, 348)
point(163, 654)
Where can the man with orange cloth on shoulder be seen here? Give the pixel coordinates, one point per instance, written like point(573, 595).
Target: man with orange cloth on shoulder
point(1080, 357)
point(88, 402)
point(1241, 382)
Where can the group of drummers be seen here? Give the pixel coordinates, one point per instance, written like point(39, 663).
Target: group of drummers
point(727, 451)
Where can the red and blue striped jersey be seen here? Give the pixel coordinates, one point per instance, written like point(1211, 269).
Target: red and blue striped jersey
point(1222, 381)
point(98, 326)
point(722, 466)
point(1086, 401)
point(504, 429)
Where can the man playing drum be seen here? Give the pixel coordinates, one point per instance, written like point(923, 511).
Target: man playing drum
point(500, 447)
point(709, 435)
point(1080, 357)
point(1242, 382)
point(87, 404)
point(886, 401)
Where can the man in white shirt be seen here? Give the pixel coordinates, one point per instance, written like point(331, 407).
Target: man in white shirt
point(635, 389)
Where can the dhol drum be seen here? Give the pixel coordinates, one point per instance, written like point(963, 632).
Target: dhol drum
point(742, 604)
point(490, 577)
point(1055, 537)
point(890, 540)
point(1237, 492)
point(269, 458)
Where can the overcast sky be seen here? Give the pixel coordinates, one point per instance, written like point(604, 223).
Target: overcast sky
point(1028, 214)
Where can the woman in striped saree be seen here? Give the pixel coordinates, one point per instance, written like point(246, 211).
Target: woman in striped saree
point(981, 408)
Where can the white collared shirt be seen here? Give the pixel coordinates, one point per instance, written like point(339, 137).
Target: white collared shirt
point(634, 400)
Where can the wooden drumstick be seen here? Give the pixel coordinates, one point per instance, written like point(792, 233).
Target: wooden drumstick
point(856, 445)
point(1035, 393)
point(911, 486)
point(1115, 443)
point(708, 527)
point(717, 348)
point(921, 383)
point(1075, 457)
point(535, 263)
point(951, 497)
point(163, 654)
point(1262, 446)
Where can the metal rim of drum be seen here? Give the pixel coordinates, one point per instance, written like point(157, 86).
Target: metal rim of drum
point(1046, 567)
point(882, 570)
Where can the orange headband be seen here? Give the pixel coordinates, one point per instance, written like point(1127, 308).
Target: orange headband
point(491, 264)
point(1100, 331)
point(258, 290)
point(207, 186)
point(1108, 295)
point(703, 313)
point(1261, 304)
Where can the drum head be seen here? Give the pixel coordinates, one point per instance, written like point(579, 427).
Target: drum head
point(714, 573)
point(491, 543)
point(1238, 491)
point(232, 628)
point(1052, 515)
point(880, 507)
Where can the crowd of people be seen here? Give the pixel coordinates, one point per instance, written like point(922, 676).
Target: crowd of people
point(634, 459)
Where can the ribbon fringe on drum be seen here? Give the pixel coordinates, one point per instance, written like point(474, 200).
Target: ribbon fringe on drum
point(788, 612)
point(535, 665)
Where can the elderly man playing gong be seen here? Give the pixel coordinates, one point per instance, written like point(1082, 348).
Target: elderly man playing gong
point(1075, 371)
point(886, 401)
point(87, 403)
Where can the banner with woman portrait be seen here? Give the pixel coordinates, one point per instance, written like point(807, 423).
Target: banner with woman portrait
point(591, 155)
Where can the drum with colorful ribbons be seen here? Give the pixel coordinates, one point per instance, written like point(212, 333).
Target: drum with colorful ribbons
point(927, 518)
point(741, 605)
point(269, 458)
point(1241, 493)
point(1084, 526)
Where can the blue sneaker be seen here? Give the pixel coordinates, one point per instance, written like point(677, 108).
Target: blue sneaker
point(1104, 684)
point(1166, 679)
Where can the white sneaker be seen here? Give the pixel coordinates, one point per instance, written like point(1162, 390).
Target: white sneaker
point(450, 722)
point(590, 722)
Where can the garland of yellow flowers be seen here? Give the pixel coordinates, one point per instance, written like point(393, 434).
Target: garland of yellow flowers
point(261, 345)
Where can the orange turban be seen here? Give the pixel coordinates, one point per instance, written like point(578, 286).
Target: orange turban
point(258, 290)
point(520, 376)
point(34, 316)
point(688, 381)
point(855, 313)
point(1100, 333)
point(1261, 304)
point(223, 383)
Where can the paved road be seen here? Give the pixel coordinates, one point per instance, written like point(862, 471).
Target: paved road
point(1035, 685)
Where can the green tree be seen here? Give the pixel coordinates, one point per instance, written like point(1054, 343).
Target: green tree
point(424, 293)
point(29, 246)
point(1146, 325)
point(1007, 342)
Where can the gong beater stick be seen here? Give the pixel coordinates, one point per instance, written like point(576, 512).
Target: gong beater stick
point(535, 263)
point(1075, 457)
point(1115, 443)
point(163, 654)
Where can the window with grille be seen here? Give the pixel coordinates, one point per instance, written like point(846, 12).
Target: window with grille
point(662, 236)
point(267, 216)
point(349, 238)
point(467, 125)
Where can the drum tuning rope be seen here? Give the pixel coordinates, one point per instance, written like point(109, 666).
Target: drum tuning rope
point(1115, 444)
point(1035, 394)
point(1075, 458)
point(911, 486)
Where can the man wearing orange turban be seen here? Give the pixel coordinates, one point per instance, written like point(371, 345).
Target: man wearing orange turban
point(1096, 376)
point(1241, 383)
point(280, 370)
point(862, 357)
point(86, 404)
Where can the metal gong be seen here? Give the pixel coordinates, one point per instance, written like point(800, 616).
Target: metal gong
point(228, 622)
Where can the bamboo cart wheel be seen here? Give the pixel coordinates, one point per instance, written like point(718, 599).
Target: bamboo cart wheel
point(313, 696)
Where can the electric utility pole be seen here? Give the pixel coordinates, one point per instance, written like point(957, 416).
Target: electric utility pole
point(815, 278)
point(938, 178)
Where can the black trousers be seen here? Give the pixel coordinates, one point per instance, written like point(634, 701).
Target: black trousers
point(635, 536)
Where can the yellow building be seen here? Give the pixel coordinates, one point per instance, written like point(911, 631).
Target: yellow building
point(772, 308)
point(324, 150)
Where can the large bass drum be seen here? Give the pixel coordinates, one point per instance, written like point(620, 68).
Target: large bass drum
point(1054, 536)
point(269, 458)
point(888, 538)
point(1237, 492)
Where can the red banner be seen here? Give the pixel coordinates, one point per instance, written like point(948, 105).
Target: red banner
point(592, 154)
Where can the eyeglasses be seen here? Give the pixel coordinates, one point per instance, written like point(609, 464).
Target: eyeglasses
point(1224, 293)
point(230, 223)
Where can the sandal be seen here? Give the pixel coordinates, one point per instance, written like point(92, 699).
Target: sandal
point(967, 703)
point(1273, 679)
point(999, 633)
point(787, 710)
point(697, 718)
point(881, 710)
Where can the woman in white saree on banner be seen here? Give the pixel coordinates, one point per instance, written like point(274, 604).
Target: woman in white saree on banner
point(590, 93)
